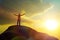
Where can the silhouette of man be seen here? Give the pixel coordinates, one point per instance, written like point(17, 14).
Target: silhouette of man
point(18, 18)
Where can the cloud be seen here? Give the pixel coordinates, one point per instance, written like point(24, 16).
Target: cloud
point(14, 6)
point(5, 16)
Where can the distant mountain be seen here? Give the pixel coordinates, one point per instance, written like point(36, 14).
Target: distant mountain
point(24, 33)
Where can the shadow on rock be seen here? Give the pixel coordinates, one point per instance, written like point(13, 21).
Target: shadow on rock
point(24, 33)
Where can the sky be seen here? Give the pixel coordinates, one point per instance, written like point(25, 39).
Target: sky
point(35, 11)
point(9, 7)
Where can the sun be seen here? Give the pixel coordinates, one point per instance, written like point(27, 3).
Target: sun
point(51, 24)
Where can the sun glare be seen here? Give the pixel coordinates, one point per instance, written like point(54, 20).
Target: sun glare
point(51, 24)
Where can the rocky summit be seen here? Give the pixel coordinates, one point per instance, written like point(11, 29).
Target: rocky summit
point(17, 32)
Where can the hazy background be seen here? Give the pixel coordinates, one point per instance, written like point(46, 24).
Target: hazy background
point(35, 11)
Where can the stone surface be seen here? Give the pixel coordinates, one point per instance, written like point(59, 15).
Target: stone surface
point(24, 33)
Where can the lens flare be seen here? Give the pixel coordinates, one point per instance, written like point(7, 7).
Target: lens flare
point(51, 24)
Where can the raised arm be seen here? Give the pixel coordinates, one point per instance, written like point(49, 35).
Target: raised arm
point(16, 14)
point(19, 14)
point(22, 14)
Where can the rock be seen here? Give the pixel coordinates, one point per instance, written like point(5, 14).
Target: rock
point(24, 33)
